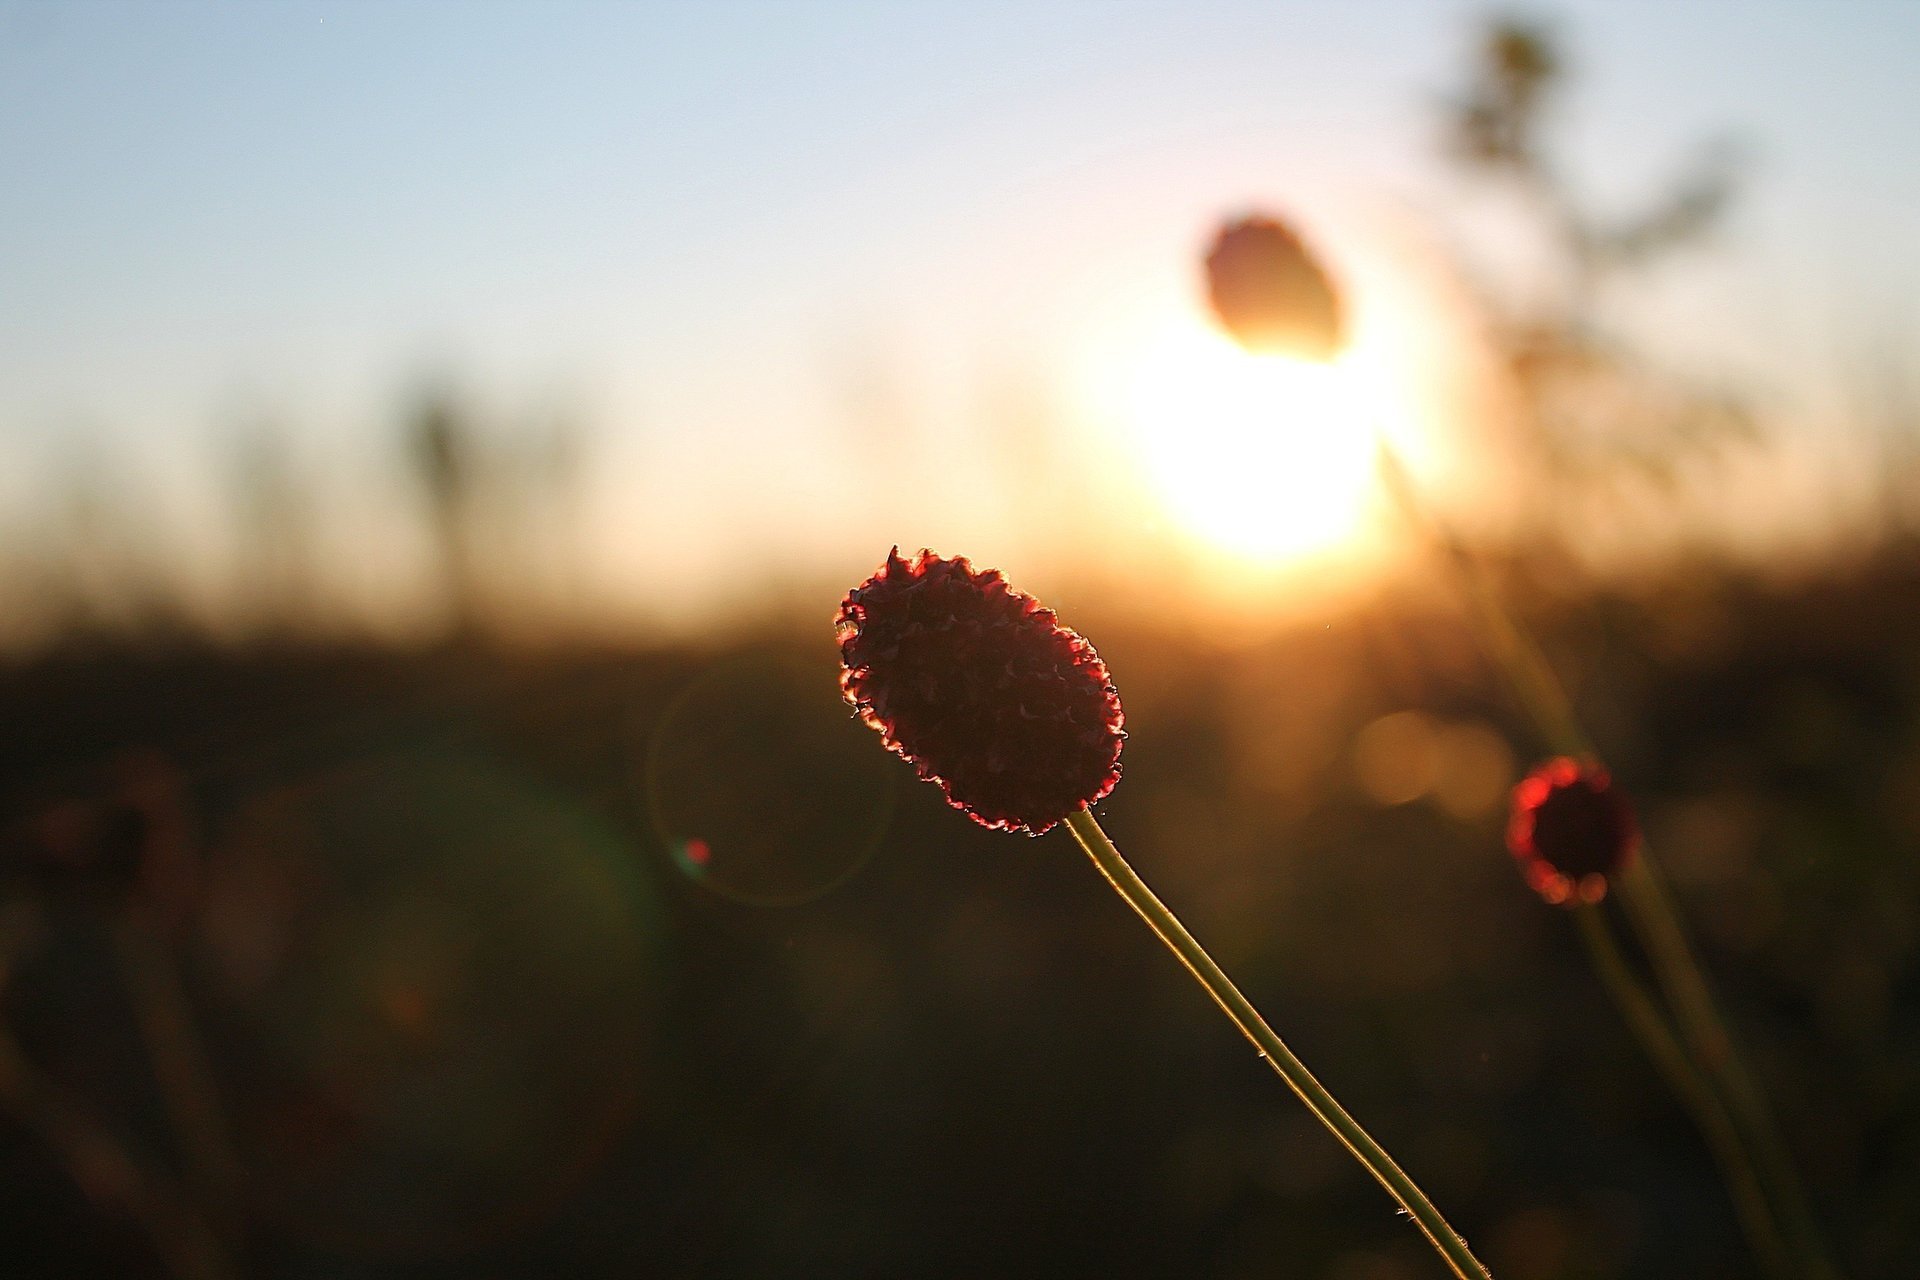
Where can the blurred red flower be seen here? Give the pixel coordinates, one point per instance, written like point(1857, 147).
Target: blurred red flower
point(1571, 830)
point(1270, 294)
point(981, 689)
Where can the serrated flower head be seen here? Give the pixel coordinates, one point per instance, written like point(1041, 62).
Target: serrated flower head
point(981, 689)
point(1270, 293)
point(1571, 830)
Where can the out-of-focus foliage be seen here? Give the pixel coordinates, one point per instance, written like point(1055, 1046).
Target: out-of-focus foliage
point(482, 986)
point(488, 501)
point(1592, 407)
point(634, 961)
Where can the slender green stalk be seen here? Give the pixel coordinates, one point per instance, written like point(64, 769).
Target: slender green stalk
point(1683, 983)
point(1514, 650)
point(1638, 1007)
point(1357, 1140)
point(1658, 926)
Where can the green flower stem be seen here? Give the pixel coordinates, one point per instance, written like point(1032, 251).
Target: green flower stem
point(1514, 650)
point(1656, 923)
point(1658, 926)
point(1638, 1007)
point(1357, 1140)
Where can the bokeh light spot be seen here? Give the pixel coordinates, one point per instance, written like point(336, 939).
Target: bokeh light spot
point(1473, 770)
point(1395, 759)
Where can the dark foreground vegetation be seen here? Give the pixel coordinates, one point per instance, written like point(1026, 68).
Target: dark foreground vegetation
point(650, 963)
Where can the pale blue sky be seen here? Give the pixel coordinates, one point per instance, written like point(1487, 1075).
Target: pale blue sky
point(690, 222)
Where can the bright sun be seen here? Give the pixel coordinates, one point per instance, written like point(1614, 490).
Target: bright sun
point(1266, 458)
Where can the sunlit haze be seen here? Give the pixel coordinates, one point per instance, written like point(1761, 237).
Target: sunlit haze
point(777, 286)
point(1435, 482)
point(1263, 457)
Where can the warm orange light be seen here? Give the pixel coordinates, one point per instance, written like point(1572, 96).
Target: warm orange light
point(1266, 458)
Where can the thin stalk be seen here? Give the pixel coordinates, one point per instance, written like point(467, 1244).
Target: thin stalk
point(180, 1066)
point(1643, 1014)
point(1658, 926)
point(1514, 650)
point(108, 1171)
point(1656, 923)
point(1445, 1240)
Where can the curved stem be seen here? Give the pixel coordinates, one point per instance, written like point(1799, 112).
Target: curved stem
point(1655, 922)
point(1514, 650)
point(1638, 1007)
point(1329, 1112)
point(1685, 985)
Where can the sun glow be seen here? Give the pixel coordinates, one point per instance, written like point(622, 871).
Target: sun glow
point(1265, 458)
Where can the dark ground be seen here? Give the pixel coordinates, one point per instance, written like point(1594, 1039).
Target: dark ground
point(475, 1006)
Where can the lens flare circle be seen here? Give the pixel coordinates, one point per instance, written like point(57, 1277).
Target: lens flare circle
point(761, 785)
point(393, 947)
point(1266, 458)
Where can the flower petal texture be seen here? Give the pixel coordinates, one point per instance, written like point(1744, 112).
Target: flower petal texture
point(1270, 293)
point(1571, 830)
point(981, 689)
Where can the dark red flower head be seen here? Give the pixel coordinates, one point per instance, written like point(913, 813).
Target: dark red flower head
point(1571, 830)
point(981, 689)
point(1270, 294)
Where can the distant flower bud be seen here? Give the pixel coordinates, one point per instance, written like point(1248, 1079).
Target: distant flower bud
point(982, 690)
point(1571, 830)
point(1270, 294)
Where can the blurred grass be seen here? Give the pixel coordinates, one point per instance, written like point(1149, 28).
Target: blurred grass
point(474, 1009)
point(626, 960)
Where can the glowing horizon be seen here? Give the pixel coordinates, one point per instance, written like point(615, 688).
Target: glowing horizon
point(751, 286)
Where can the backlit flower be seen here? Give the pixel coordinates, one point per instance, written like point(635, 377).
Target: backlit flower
point(1571, 830)
point(981, 689)
point(1270, 294)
